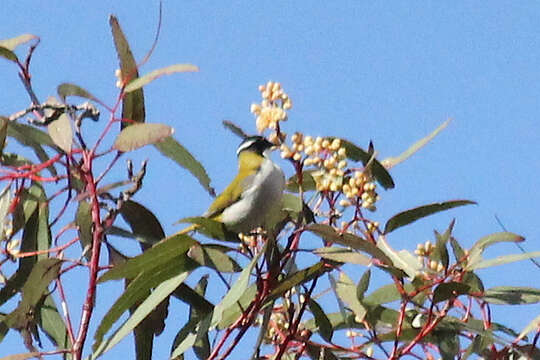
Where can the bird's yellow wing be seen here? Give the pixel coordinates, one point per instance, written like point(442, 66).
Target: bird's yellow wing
point(230, 195)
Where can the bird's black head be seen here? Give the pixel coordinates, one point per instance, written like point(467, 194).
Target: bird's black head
point(257, 144)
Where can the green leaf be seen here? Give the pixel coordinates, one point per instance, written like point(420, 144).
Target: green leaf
point(409, 216)
point(402, 259)
point(236, 291)
point(8, 54)
point(147, 306)
point(66, 89)
point(440, 252)
point(363, 284)
point(308, 182)
point(235, 129)
point(449, 290)
point(145, 79)
point(137, 290)
point(45, 271)
point(512, 295)
point(34, 138)
point(152, 259)
point(213, 257)
point(298, 278)
point(142, 222)
point(459, 253)
point(28, 135)
point(501, 260)
point(176, 152)
point(342, 255)
point(448, 343)
point(4, 121)
point(52, 323)
point(12, 43)
point(386, 294)
point(532, 326)
point(193, 299)
point(346, 291)
point(475, 254)
point(211, 228)
point(473, 281)
point(233, 312)
point(329, 234)
point(393, 161)
point(132, 102)
point(83, 220)
point(139, 135)
point(378, 170)
point(323, 324)
point(36, 236)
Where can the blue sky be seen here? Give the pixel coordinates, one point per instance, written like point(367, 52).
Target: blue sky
point(360, 70)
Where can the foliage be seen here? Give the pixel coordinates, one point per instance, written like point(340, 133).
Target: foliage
point(285, 278)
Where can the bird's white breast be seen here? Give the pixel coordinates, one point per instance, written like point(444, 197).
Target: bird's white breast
point(262, 196)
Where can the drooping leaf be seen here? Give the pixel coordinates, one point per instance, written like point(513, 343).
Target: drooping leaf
point(193, 299)
point(409, 216)
point(378, 170)
point(33, 290)
point(146, 307)
point(393, 161)
point(4, 121)
point(449, 290)
point(142, 221)
point(139, 135)
point(342, 255)
point(177, 153)
point(346, 291)
point(132, 102)
point(475, 254)
point(35, 237)
point(52, 323)
point(66, 89)
point(147, 78)
point(512, 295)
point(324, 325)
point(214, 257)
point(151, 259)
point(83, 220)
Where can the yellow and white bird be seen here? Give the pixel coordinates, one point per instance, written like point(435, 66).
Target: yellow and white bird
point(256, 190)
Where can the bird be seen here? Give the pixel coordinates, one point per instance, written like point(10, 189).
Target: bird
point(253, 194)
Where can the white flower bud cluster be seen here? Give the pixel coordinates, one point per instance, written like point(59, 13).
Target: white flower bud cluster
point(273, 107)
